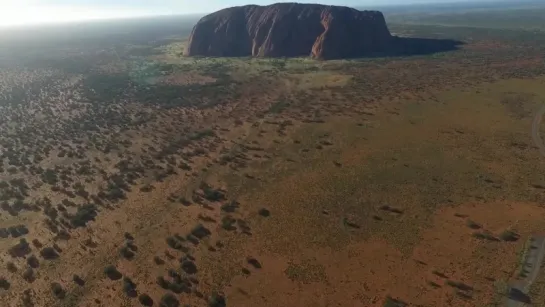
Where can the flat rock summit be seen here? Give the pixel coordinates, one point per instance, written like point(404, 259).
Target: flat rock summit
point(290, 30)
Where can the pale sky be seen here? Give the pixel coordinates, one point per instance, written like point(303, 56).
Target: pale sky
point(25, 12)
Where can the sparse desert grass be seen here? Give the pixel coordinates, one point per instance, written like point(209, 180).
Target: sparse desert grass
point(306, 272)
point(389, 167)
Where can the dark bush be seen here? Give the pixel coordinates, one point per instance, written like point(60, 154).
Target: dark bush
point(51, 225)
point(5, 206)
point(20, 249)
point(192, 239)
point(193, 280)
point(33, 262)
point(459, 285)
point(179, 287)
point(14, 231)
point(11, 267)
point(244, 226)
point(391, 209)
point(145, 300)
point(230, 207)
point(206, 218)
point(57, 248)
point(442, 275)
point(484, 235)
point(4, 283)
point(172, 273)
point(471, 224)
point(179, 238)
point(158, 260)
point(50, 177)
point(187, 257)
point(509, 236)
point(4, 233)
point(58, 291)
point(216, 300)
point(173, 243)
point(163, 283)
point(264, 212)
point(78, 280)
point(130, 245)
point(49, 253)
point(112, 272)
point(83, 215)
point(126, 253)
point(129, 287)
point(253, 262)
point(200, 231)
point(63, 235)
point(213, 195)
point(464, 295)
point(349, 223)
point(391, 302)
point(26, 298)
point(227, 223)
point(28, 275)
point(184, 201)
point(189, 267)
point(169, 300)
point(146, 188)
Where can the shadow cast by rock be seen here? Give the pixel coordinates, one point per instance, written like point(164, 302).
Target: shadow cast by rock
point(407, 46)
point(410, 46)
point(399, 47)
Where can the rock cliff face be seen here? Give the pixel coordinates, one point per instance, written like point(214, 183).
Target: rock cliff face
point(290, 30)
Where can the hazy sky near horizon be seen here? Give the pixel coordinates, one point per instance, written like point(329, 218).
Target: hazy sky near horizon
point(23, 12)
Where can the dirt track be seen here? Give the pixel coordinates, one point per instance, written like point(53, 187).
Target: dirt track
point(535, 130)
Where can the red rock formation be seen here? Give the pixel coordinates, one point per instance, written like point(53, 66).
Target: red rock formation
point(290, 30)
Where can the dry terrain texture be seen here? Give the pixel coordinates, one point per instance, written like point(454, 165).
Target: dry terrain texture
point(144, 178)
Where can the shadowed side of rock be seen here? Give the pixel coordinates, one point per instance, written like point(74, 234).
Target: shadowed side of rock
point(290, 30)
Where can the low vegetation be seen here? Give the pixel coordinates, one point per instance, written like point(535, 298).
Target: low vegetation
point(214, 171)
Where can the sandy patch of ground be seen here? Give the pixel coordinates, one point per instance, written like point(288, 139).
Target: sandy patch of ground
point(364, 273)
